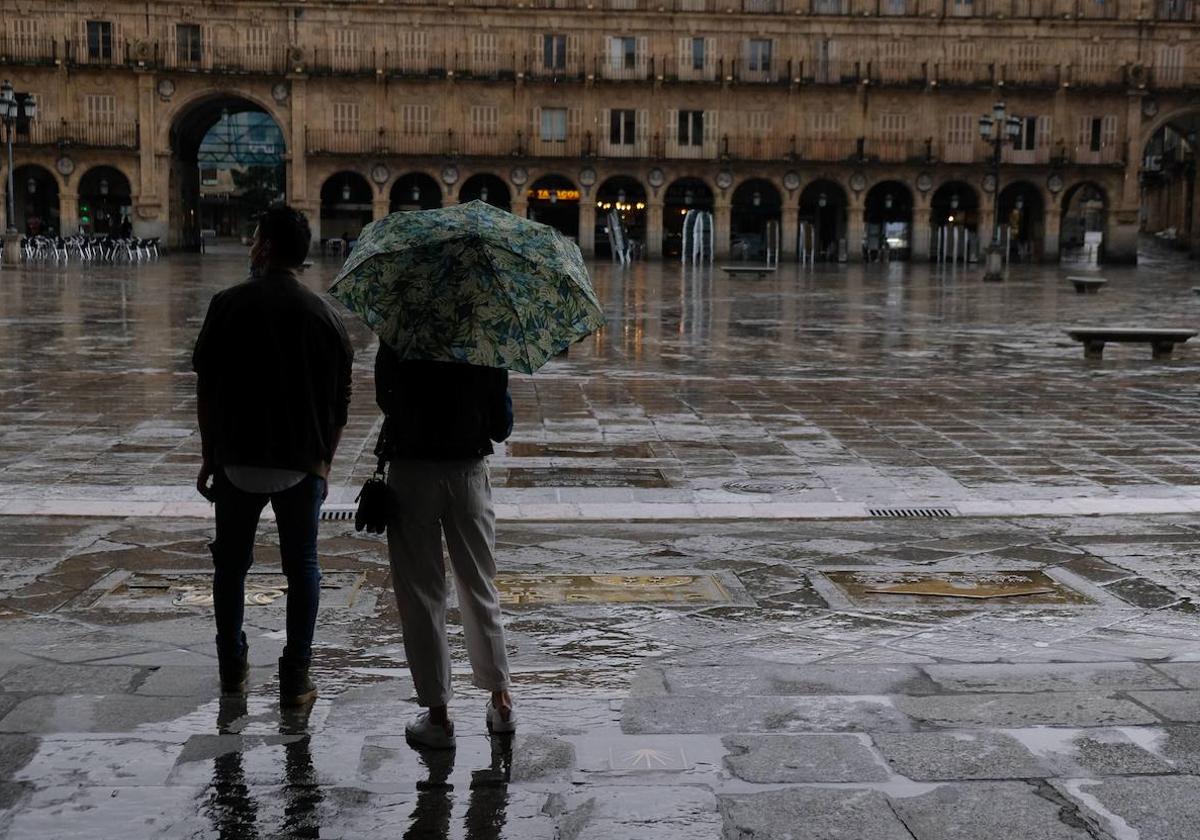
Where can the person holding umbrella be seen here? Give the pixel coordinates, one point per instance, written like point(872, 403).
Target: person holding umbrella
point(458, 296)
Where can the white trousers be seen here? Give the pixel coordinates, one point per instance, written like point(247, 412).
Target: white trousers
point(427, 499)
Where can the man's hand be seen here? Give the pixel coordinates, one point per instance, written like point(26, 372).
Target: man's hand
point(202, 482)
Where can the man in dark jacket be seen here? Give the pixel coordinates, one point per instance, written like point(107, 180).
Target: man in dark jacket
point(441, 419)
point(273, 361)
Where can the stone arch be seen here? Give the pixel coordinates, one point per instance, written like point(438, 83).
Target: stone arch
point(105, 200)
point(414, 190)
point(346, 205)
point(37, 210)
point(684, 193)
point(824, 205)
point(754, 205)
point(626, 196)
point(1022, 220)
point(1083, 222)
point(888, 220)
point(553, 199)
point(488, 187)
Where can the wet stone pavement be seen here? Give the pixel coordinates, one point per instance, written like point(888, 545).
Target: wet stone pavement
point(712, 634)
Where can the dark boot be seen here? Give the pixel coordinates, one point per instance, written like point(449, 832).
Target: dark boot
point(295, 686)
point(234, 670)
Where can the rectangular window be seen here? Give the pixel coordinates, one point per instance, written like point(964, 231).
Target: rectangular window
point(1027, 140)
point(484, 50)
point(824, 124)
point(963, 8)
point(26, 31)
point(554, 52)
point(414, 48)
point(691, 128)
point(758, 55)
point(758, 123)
point(829, 7)
point(554, 125)
point(345, 117)
point(415, 119)
point(485, 120)
point(208, 176)
point(257, 41)
point(893, 126)
point(621, 127)
point(1168, 62)
point(189, 48)
point(99, 40)
point(345, 45)
point(698, 55)
point(101, 108)
point(623, 53)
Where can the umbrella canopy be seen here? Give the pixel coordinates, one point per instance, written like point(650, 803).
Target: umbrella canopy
point(469, 283)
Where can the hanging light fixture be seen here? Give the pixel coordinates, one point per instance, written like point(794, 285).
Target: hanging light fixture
point(1020, 202)
point(483, 194)
point(954, 202)
point(620, 196)
point(103, 186)
point(31, 185)
point(224, 115)
point(822, 200)
point(888, 201)
point(554, 196)
point(346, 191)
point(756, 199)
point(688, 197)
point(415, 195)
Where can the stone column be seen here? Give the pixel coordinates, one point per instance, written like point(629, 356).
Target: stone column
point(921, 233)
point(654, 230)
point(587, 227)
point(379, 205)
point(68, 213)
point(520, 204)
point(1053, 227)
point(151, 210)
point(856, 227)
point(297, 174)
point(1192, 225)
point(1121, 237)
point(722, 213)
point(789, 232)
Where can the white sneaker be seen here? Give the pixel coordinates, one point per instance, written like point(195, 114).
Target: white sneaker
point(498, 723)
point(423, 732)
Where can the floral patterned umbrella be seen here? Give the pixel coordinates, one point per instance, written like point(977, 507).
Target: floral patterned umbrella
point(469, 283)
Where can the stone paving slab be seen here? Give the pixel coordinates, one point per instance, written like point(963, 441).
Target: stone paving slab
point(1142, 808)
point(990, 811)
point(771, 759)
point(820, 814)
point(945, 756)
point(1010, 711)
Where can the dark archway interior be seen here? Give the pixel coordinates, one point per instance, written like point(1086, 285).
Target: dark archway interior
point(554, 200)
point(346, 207)
point(1167, 181)
point(626, 197)
point(955, 203)
point(35, 201)
point(262, 177)
point(1022, 220)
point(486, 187)
point(1084, 219)
point(755, 204)
point(415, 191)
point(105, 201)
point(823, 206)
point(888, 216)
point(680, 197)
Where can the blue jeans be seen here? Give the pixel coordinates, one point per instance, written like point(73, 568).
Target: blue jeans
point(296, 516)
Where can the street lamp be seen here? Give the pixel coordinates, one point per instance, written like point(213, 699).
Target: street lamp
point(483, 194)
point(756, 199)
point(103, 186)
point(10, 111)
point(415, 195)
point(346, 192)
point(997, 128)
point(822, 200)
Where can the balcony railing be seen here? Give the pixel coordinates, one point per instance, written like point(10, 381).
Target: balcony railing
point(21, 50)
point(831, 72)
point(343, 61)
point(571, 68)
point(895, 150)
point(897, 72)
point(1107, 76)
point(639, 148)
point(91, 135)
point(962, 73)
point(970, 151)
point(1104, 155)
point(571, 146)
point(1174, 10)
point(485, 66)
point(1036, 75)
point(756, 147)
point(480, 144)
point(1041, 154)
point(639, 69)
point(352, 142)
point(417, 63)
point(1171, 76)
point(81, 53)
point(682, 69)
point(771, 72)
point(827, 149)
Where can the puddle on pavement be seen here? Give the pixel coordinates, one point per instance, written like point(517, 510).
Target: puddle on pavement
point(629, 588)
point(583, 477)
point(527, 449)
point(163, 592)
point(899, 588)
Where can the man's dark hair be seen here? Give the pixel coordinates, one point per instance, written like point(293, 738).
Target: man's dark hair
point(287, 230)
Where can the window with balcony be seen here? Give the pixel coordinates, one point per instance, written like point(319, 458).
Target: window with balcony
point(829, 7)
point(345, 117)
point(622, 127)
point(758, 55)
point(894, 7)
point(189, 46)
point(1026, 139)
point(1096, 139)
point(25, 31)
point(485, 51)
point(622, 53)
point(554, 52)
point(345, 47)
point(698, 53)
point(960, 138)
point(415, 120)
point(1168, 64)
point(414, 49)
point(1173, 9)
point(962, 8)
point(690, 128)
point(100, 108)
point(485, 120)
point(257, 40)
point(825, 66)
point(554, 125)
point(99, 40)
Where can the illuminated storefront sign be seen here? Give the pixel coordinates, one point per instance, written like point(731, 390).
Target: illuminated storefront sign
point(554, 195)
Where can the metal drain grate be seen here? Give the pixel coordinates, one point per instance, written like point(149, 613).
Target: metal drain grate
point(911, 513)
point(337, 513)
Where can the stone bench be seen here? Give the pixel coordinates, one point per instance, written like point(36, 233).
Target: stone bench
point(756, 270)
point(1090, 285)
point(1161, 341)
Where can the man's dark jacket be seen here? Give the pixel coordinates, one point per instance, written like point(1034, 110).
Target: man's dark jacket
point(274, 365)
point(440, 411)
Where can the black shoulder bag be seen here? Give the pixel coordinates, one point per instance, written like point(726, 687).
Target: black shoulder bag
point(372, 513)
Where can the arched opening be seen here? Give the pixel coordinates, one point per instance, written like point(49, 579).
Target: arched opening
point(227, 166)
point(415, 191)
point(954, 222)
point(35, 201)
point(345, 208)
point(1022, 218)
point(823, 219)
point(554, 200)
point(755, 205)
point(488, 188)
point(888, 218)
point(1083, 223)
point(105, 202)
point(1167, 183)
point(682, 196)
point(624, 198)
